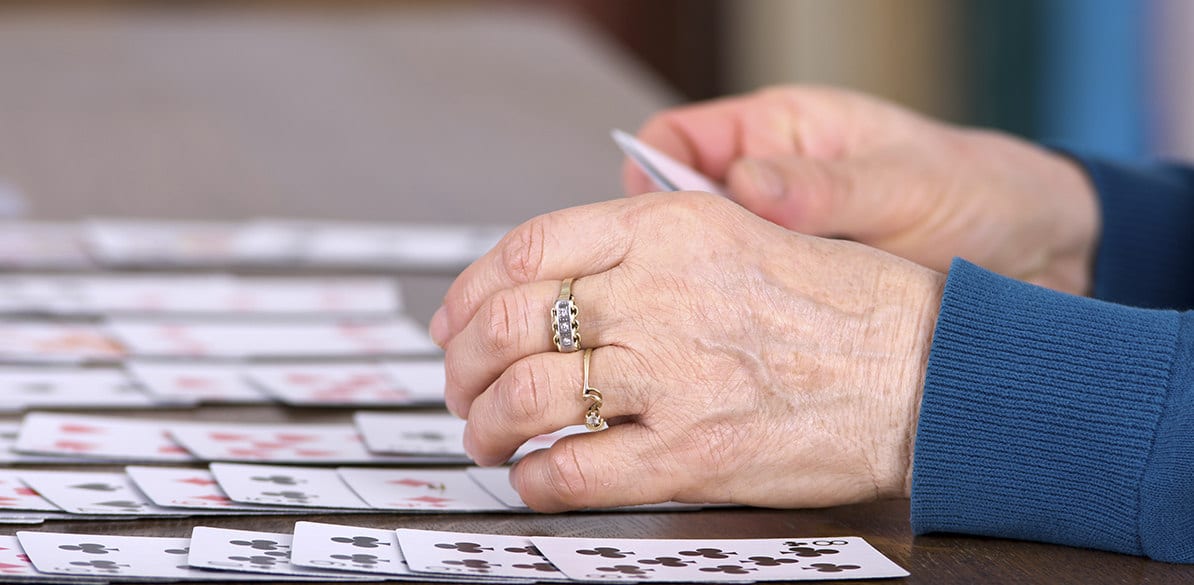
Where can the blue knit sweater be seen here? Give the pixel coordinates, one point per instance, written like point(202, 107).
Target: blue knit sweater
point(1066, 419)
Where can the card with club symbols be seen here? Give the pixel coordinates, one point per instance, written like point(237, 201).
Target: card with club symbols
point(255, 552)
point(481, 555)
point(102, 493)
point(181, 487)
point(306, 487)
point(411, 433)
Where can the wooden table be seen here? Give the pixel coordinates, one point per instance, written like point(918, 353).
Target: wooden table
point(389, 115)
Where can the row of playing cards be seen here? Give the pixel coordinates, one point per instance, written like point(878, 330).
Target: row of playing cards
point(211, 294)
point(276, 243)
point(154, 384)
point(175, 338)
point(330, 552)
point(29, 496)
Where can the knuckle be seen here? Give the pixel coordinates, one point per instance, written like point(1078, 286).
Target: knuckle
point(501, 323)
point(524, 396)
point(568, 479)
point(522, 253)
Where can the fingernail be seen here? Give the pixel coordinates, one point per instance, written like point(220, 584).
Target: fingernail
point(763, 178)
point(439, 327)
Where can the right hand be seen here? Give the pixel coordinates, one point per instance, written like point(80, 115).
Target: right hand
point(833, 163)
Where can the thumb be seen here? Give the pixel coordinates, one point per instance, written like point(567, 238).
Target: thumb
point(817, 197)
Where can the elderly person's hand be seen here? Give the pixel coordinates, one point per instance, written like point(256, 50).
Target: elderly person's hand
point(833, 163)
point(739, 361)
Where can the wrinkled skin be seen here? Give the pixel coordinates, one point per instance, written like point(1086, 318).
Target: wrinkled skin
point(740, 362)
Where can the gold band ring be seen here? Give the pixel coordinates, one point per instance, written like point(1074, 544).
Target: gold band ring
point(565, 327)
point(593, 419)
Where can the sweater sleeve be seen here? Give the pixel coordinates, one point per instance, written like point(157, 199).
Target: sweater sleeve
point(1057, 418)
point(1146, 252)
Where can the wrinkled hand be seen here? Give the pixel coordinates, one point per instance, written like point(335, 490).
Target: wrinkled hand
point(739, 361)
point(837, 164)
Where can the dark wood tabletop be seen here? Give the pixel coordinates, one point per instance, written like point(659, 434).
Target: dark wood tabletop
point(386, 114)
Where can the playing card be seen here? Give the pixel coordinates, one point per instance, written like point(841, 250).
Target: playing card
point(496, 482)
point(256, 552)
point(117, 558)
point(56, 342)
point(407, 433)
point(95, 437)
point(287, 443)
point(348, 548)
point(423, 380)
point(8, 454)
point(103, 493)
point(15, 565)
point(181, 487)
point(484, 555)
point(710, 560)
point(666, 172)
point(196, 382)
point(409, 246)
point(150, 242)
point(24, 388)
point(42, 245)
point(16, 495)
point(436, 490)
point(271, 338)
point(306, 487)
point(330, 384)
point(312, 296)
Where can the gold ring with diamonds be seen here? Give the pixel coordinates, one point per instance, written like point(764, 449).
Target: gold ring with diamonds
point(565, 326)
point(593, 418)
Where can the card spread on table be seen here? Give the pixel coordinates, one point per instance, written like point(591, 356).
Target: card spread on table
point(103, 493)
point(709, 560)
point(407, 433)
point(25, 388)
point(146, 242)
point(287, 443)
point(666, 172)
point(182, 487)
point(481, 555)
point(95, 437)
point(350, 548)
point(330, 384)
point(57, 342)
point(251, 551)
point(308, 487)
point(196, 382)
point(16, 495)
point(434, 490)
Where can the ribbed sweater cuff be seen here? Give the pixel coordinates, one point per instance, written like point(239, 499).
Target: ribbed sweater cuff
point(1039, 413)
point(1146, 251)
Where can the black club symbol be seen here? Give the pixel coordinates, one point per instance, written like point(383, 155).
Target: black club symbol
point(289, 495)
point(464, 547)
point(177, 551)
point(728, 569)
point(625, 570)
point(426, 436)
point(360, 541)
point(258, 544)
point(771, 561)
point(262, 561)
point(109, 566)
point(708, 553)
point(808, 551)
point(90, 548)
point(277, 479)
point(607, 552)
point(666, 561)
point(359, 559)
point(831, 568)
point(544, 567)
point(475, 564)
point(524, 550)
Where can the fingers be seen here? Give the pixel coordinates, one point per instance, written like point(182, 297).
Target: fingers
point(541, 394)
point(595, 470)
point(573, 242)
point(516, 322)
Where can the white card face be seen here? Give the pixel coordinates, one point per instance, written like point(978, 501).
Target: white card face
point(329, 384)
point(406, 433)
point(25, 388)
point(287, 443)
point(196, 382)
point(400, 245)
point(8, 454)
point(249, 551)
point(181, 487)
point(273, 338)
point(423, 380)
point(56, 342)
point(347, 548)
point(307, 487)
point(115, 558)
point(16, 495)
point(764, 559)
point(478, 555)
point(14, 563)
point(34, 245)
point(666, 172)
point(190, 244)
point(306, 296)
point(92, 493)
point(95, 437)
point(434, 490)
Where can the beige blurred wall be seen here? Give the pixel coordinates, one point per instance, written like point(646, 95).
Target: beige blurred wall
point(1175, 78)
point(906, 50)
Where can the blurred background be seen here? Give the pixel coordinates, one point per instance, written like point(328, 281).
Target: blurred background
point(352, 109)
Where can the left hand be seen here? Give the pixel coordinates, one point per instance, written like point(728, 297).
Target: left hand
point(740, 362)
